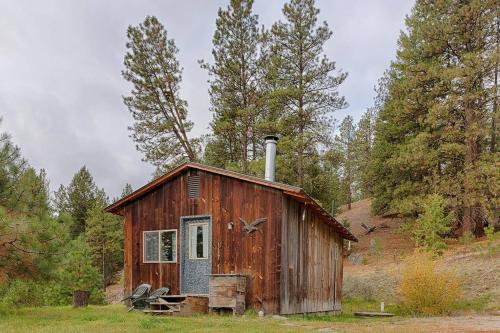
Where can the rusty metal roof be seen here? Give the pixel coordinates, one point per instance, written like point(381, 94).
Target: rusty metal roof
point(293, 191)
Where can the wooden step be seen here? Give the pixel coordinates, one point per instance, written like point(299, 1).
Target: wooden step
point(164, 303)
point(373, 314)
point(158, 311)
point(171, 305)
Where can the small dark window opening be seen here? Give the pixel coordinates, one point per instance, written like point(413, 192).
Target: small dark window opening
point(199, 242)
point(193, 186)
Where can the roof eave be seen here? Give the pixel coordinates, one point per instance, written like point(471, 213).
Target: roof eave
point(296, 192)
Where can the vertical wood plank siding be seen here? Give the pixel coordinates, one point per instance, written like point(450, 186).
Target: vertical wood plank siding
point(311, 261)
point(233, 250)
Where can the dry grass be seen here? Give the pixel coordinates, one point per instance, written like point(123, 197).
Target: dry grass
point(427, 289)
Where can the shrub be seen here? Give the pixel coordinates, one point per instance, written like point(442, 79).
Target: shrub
point(56, 294)
point(432, 225)
point(466, 239)
point(21, 293)
point(345, 222)
point(358, 288)
point(427, 290)
point(78, 272)
point(491, 237)
point(375, 247)
point(376, 286)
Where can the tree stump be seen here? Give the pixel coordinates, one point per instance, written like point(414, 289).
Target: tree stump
point(80, 298)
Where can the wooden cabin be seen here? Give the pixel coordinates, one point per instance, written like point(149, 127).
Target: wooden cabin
point(198, 220)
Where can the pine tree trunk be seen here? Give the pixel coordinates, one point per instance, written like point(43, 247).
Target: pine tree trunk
point(472, 219)
point(495, 96)
point(80, 298)
point(103, 267)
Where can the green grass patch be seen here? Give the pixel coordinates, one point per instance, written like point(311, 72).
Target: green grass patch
point(351, 305)
point(114, 318)
point(478, 304)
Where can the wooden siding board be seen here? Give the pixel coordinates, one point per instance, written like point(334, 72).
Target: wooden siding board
point(225, 199)
point(310, 280)
point(127, 255)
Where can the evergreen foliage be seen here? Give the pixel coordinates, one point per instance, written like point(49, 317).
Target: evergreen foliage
point(28, 247)
point(104, 238)
point(127, 190)
point(432, 133)
point(363, 150)
point(12, 166)
point(304, 90)
point(77, 273)
point(235, 89)
point(77, 199)
point(432, 225)
point(160, 126)
point(344, 143)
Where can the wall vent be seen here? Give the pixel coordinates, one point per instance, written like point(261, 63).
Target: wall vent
point(193, 186)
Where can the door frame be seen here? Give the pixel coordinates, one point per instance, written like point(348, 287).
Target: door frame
point(181, 244)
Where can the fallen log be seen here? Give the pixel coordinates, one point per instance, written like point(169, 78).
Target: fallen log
point(368, 228)
point(373, 314)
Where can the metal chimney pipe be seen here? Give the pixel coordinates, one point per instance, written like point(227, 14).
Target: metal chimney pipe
point(271, 141)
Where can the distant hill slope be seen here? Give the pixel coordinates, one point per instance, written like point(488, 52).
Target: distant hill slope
point(387, 232)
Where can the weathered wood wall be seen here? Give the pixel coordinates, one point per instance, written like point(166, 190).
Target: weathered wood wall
point(233, 250)
point(311, 261)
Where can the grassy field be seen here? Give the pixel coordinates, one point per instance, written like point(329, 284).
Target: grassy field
point(114, 318)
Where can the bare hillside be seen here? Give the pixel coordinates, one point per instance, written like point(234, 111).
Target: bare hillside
point(387, 233)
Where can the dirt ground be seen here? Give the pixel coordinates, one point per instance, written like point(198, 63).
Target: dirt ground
point(114, 294)
point(387, 231)
point(462, 324)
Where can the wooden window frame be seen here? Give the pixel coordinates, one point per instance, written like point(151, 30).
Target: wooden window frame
point(159, 261)
point(196, 224)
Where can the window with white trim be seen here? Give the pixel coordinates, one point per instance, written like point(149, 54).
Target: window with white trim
point(160, 246)
point(198, 240)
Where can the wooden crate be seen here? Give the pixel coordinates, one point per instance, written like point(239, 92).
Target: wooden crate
point(227, 291)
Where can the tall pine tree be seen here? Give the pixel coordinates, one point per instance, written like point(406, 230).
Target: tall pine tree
point(77, 199)
point(363, 148)
point(160, 126)
point(344, 143)
point(234, 88)
point(104, 238)
point(305, 86)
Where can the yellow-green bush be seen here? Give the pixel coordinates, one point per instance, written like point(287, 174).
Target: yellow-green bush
point(427, 289)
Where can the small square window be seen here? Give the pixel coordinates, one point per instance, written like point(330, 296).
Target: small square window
point(198, 241)
point(160, 246)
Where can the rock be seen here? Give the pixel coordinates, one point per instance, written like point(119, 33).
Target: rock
point(279, 317)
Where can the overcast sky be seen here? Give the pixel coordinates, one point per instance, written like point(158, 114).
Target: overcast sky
point(60, 73)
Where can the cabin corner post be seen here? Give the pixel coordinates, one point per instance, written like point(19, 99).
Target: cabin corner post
point(127, 252)
point(339, 275)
